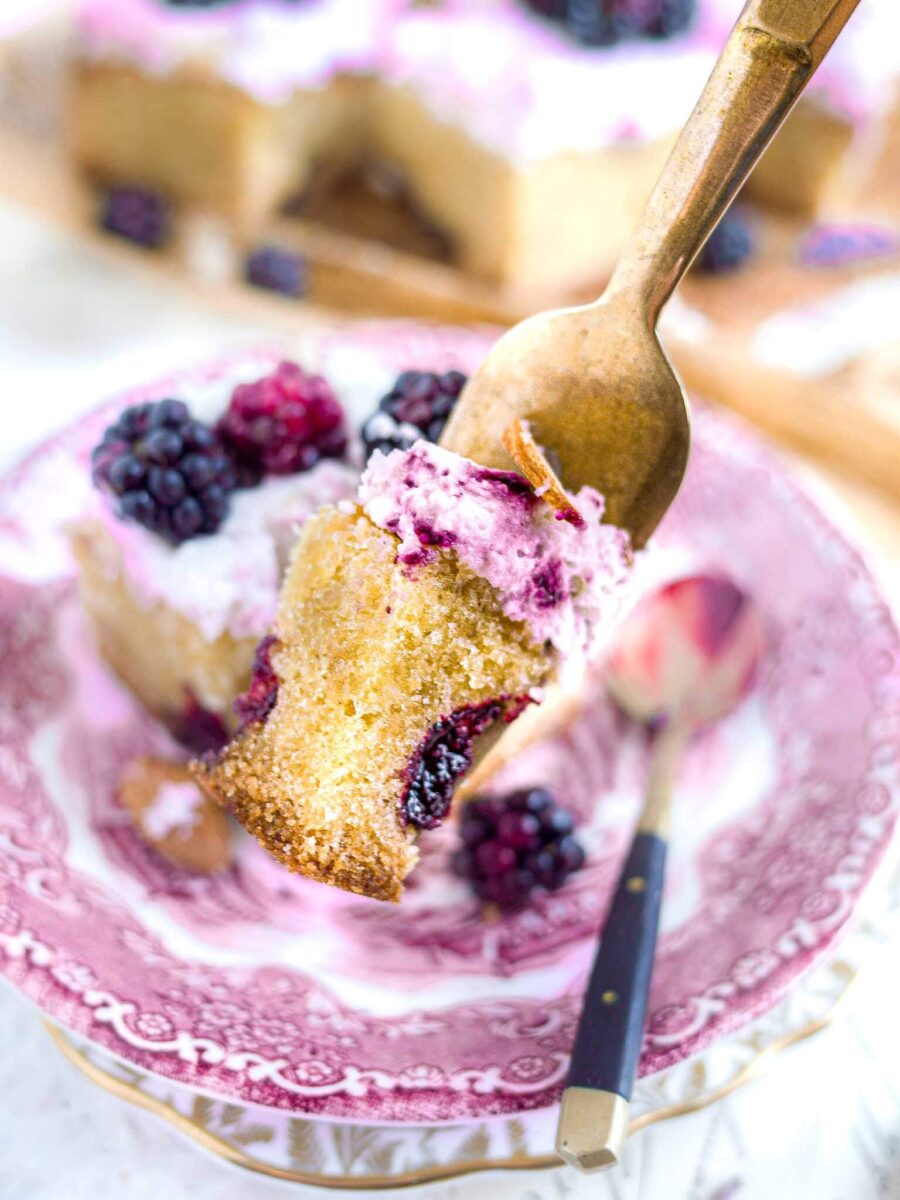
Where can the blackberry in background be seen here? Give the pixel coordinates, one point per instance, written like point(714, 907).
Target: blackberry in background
point(417, 406)
point(165, 470)
point(729, 245)
point(138, 215)
point(277, 270)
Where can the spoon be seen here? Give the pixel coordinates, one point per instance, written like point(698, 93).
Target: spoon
point(593, 382)
point(685, 658)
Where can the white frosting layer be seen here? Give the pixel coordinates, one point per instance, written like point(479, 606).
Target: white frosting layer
point(525, 89)
point(230, 580)
point(815, 339)
point(517, 83)
point(564, 580)
point(175, 809)
point(268, 49)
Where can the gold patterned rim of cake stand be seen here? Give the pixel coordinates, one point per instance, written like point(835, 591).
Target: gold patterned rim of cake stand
point(217, 1145)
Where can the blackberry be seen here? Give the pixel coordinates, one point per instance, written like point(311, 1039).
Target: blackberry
point(555, 10)
point(444, 755)
point(729, 244)
point(842, 245)
point(254, 706)
point(283, 423)
point(670, 17)
point(417, 406)
point(515, 845)
point(137, 215)
point(167, 471)
point(605, 22)
point(276, 270)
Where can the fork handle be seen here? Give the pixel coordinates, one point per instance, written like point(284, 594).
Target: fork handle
point(769, 57)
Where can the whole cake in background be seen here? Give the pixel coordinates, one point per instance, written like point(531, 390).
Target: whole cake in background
point(497, 114)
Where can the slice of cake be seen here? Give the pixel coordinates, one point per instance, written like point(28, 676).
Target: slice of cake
point(412, 626)
point(497, 115)
point(226, 106)
point(203, 481)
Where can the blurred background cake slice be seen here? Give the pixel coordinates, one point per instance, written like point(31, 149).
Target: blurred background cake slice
point(222, 106)
point(492, 117)
point(794, 325)
point(202, 484)
point(412, 626)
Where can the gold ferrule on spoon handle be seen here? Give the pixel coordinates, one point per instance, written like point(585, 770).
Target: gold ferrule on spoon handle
point(767, 61)
point(667, 750)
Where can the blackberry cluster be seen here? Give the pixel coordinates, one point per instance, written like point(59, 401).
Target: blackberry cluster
point(729, 245)
point(276, 270)
point(282, 423)
point(417, 406)
point(167, 471)
point(516, 845)
point(608, 22)
point(137, 215)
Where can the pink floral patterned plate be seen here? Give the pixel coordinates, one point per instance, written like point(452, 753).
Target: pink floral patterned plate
point(270, 990)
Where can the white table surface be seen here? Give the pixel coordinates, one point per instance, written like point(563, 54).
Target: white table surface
point(823, 1124)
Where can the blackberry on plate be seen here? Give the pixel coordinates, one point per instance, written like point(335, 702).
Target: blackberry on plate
point(516, 845)
point(729, 245)
point(166, 471)
point(417, 406)
point(276, 270)
point(283, 423)
point(137, 215)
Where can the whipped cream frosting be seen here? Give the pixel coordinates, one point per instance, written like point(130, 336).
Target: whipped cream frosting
point(227, 582)
point(565, 582)
point(268, 48)
point(516, 82)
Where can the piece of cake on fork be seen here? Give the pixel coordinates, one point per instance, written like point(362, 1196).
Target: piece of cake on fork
point(413, 625)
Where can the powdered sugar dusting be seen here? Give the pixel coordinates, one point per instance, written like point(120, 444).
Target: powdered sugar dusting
point(565, 582)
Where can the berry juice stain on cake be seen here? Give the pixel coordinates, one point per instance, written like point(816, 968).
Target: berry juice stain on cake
point(446, 754)
point(255, 705)
point(197, 728)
